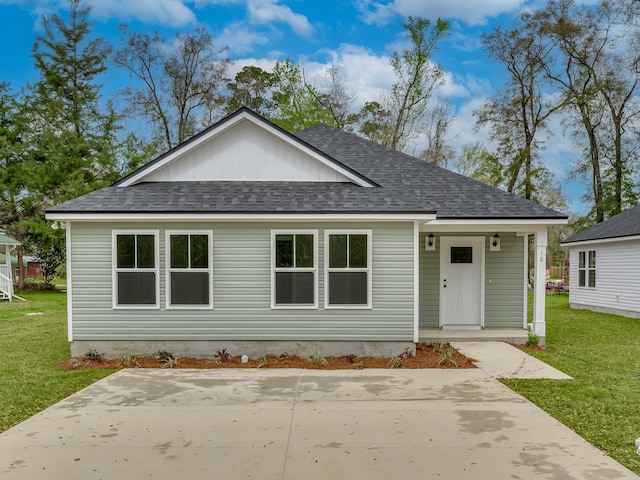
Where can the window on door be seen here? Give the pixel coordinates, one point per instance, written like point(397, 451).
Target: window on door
point(461, 254)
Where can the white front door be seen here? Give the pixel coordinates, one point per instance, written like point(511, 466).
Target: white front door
point(461, 286)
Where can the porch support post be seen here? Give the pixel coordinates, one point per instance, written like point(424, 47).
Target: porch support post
point(539, 267)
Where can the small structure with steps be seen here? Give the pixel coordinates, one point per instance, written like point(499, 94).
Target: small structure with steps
point(7, 245)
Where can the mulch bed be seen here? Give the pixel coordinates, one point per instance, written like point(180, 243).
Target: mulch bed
point(426, 357)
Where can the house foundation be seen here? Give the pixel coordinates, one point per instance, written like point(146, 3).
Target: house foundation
point(253, 349)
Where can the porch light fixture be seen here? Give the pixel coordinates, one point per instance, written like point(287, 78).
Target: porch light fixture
point(495, 243)
point(430, 243)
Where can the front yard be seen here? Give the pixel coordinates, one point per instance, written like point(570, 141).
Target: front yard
point(33, 339)
point(602, 353)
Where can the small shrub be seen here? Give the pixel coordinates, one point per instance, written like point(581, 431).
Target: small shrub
point(533, 340)
point(129, 361)
point(399, 361)
point(222, 356)
point(284, 356)
point(408, 352)
point(351, 358)
point(264, 362)
point(447, 355)
point(77, 363)
point(317, 358)
point(166, 357)
point(94, 356)
point(170, 363)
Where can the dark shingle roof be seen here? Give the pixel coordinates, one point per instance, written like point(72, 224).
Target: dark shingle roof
point(239, 197)
point(450, 194)
point(405, 185)
point(625, 224)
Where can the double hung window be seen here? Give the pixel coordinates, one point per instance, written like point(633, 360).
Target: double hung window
point(189, 269)
point(135, 279)
point(348, 269)
point(587, 268)
point(294, 269)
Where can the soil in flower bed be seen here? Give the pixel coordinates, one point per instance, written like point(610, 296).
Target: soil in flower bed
point(426, 357)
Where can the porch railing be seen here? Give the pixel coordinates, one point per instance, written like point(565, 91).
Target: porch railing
point(6, 285)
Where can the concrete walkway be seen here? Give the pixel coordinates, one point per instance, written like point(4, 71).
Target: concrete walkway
point(294, 424)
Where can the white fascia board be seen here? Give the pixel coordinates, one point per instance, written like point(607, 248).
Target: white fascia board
point(235, 217)
point(599, 241)
point(498, 225)
point(232, 122)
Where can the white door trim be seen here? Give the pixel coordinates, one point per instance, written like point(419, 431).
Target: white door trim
point(478, 242)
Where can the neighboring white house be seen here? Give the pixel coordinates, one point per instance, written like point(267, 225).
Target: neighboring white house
point(7, 245)
point(605, 266)
point(251, 238)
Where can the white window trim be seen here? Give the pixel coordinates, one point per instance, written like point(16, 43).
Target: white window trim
point(369, 270)
point(169, 270)
point(115, 270)
point(586, 269)
point(313, 269)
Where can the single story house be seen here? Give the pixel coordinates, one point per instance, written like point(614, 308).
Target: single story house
point(253, 239)
point(604, 267)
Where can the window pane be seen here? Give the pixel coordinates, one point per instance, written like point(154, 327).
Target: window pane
point(284, 250)
point(337, 251)
point(125, 245)
point(348, 288)
point(179, 251)
point(294, 288)
point(199, 251)
point(189, 288)
point(581, 278)
point(357, 251)
point(304, 251)
point(461, 254)
point(146, 251)
point(136, 288)
point(592, 278)
point(581, 259)
point(592, 259)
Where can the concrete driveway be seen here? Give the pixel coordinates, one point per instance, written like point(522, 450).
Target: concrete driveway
point(295, 424)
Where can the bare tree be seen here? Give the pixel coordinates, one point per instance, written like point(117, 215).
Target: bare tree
point(334, 96)
point(181, 84)
point(592, 85)
point(399, 115)
point(436, 125)
point(519, 110)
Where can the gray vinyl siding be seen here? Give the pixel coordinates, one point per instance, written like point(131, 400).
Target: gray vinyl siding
point(504, 282)
point(242, 288)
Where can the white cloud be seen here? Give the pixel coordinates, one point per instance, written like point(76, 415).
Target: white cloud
point(172, 13)
point(240, 39)
point(473, 12)
point(268, 11)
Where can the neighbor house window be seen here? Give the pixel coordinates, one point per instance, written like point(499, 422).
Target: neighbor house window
point(587, 268)
point(189, 269)
point(294, 273)
point(348, 269)
point(135, 279)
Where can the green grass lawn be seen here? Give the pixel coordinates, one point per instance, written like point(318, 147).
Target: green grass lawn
point(30, 348)
point(602, 353)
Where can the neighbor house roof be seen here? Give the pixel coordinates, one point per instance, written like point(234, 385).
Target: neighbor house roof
point(625, 224)
point(6, 239)
point(394, 182)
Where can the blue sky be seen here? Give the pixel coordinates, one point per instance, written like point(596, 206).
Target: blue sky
point(356, 35)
